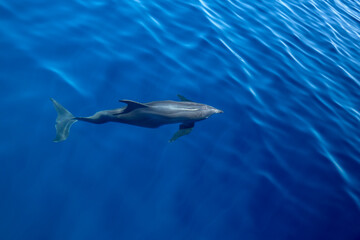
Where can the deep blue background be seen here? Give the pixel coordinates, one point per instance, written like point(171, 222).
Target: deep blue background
point(282, 162)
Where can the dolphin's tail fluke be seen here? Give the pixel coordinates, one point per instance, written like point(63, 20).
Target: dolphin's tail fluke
point(64, 121)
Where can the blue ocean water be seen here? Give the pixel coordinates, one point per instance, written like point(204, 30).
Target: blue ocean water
point(282, 162)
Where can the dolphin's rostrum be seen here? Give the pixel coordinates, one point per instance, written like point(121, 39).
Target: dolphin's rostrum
point(150, 115)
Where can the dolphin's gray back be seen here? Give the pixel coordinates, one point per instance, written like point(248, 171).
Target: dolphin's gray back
point(171, 107)
point(163, 112)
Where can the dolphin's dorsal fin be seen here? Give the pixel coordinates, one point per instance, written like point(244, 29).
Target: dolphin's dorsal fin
point(184, 99)
point(132, 105)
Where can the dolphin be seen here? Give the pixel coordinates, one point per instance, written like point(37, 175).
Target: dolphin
point(149, 115)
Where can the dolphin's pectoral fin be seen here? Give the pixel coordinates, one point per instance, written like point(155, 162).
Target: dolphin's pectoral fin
point(131, 105)
point(184, 99)
point(184, 129)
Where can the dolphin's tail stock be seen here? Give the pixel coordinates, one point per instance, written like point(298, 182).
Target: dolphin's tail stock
point(64, 121)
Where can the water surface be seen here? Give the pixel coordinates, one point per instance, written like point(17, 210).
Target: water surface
point(282, 162)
